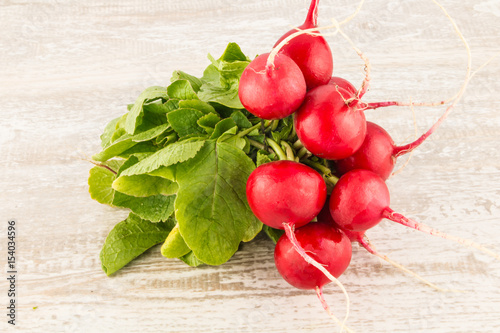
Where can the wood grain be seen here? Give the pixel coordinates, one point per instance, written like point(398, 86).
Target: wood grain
point(68, 67)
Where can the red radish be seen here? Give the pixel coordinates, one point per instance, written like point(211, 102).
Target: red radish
point(311, 52)
point(284, 195)
point(360, 200)
point(285, 191)
point(325, 244)
point(377, 153)
point(342, 252)
point(272, 91)
point(325, 217)
point(327, 125)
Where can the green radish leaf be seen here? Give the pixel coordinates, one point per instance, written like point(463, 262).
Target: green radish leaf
point(157, 107)
point(174, 246)
point(211, 206)
point(181, 89)
point(130, 238)
point(231, 71)
point(126, 142)
point(117, 134)
point(234, 140)
point(120, 128)
point(167, 172)
point(208, 122)
point(194, 137)
point(140, 150)
point(252, 231)
point(109, 130)
point(174, 153)
point(284, 130)
point(132, 160)
point(172, 104)
point(246, 149)
point(144, 185)
point(274, 234)
point(180, 75)
point(229, 137)
point(223, 111)
point(223, 126)
point(261, 138)
point(191, 259)
point(210, 74)
point(197, 105)
point(233, 53)
point(100, 180)
point(184, 121)
point(262, 158)
point(221, 78)
point(154, 208)
point(134, 117)
point(165, 139)
point(150, 133)
point(227, 95)
point(241, 120)
point(151, 120)
point(114, 150)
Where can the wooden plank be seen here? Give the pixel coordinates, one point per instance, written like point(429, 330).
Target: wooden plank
point(69, 67)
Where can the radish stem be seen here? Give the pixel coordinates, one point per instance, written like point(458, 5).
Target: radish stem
point(312, 31)
point(289, 151)
point(277, 149)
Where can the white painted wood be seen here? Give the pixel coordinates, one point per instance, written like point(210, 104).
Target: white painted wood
point(68, 67)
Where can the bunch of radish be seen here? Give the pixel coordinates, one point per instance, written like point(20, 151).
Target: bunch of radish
point(320, 221)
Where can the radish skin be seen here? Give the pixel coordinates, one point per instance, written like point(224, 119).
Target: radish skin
point(309, 51)
point(327, 125)
point(299, 251)
point(285, 191)
point(272, 92)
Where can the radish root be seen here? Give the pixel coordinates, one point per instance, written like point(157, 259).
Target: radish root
point(459, 94)
point(370, 248)
point(366, 82)
point(289, 230)
point(401, 150)
point(396, 217)
point(319, 292)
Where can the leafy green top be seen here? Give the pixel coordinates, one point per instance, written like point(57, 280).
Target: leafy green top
point(179, 161)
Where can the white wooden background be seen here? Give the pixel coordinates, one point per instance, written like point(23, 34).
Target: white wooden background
point(68, 67)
